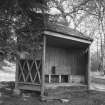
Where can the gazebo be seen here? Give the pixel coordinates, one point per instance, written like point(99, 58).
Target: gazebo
point(64, 62)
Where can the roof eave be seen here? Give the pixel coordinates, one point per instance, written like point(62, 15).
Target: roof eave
point(66, 36)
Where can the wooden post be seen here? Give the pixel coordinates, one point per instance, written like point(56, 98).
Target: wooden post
point(69, 78)
point(16, 90)
point(43, 67)
point(89, 68)
point(49, 78)
point(16, 74)
point(60, 78)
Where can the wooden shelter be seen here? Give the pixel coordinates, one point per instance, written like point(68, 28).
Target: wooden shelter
point(63, 63)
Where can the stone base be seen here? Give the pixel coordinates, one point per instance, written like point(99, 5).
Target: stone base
point(17, 91)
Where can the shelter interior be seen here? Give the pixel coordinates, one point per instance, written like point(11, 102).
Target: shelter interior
point(66, 61)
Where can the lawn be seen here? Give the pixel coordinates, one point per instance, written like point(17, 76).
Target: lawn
point(90, 98)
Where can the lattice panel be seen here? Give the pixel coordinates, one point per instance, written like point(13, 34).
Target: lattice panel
point(29, 71)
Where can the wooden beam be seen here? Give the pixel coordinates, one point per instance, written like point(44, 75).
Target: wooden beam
point(49, 78)
point(29, 87)
point(28, 83)
point(67, 37)
point(43, 66)
point(60, 79)
point(89, 68)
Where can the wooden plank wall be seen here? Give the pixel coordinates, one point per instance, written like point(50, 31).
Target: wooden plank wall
point(67, 61)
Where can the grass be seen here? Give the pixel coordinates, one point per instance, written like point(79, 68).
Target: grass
point(86, 98)
point(90, 98)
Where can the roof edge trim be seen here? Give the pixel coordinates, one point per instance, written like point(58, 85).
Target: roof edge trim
point(60, 35)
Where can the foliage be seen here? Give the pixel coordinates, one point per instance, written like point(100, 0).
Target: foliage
point(17, 26)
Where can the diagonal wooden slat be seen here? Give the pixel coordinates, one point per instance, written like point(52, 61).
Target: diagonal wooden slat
point(39, 65)
point(37, 71)
point(24, 64)
point(29, 71)
point(19, 76)
point(32, 64)
point(39, 68)
point(24, 68)
point(27, 76)
point(35, 77)
point(21, 69)
point(30, 67)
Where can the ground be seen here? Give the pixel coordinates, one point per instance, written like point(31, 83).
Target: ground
point(7, 97)
point(88, 98)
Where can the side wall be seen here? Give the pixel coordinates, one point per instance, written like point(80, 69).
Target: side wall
point(67, 61)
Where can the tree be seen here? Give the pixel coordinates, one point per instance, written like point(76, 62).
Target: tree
point(17, 20)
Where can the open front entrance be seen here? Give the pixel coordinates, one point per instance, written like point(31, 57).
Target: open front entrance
point(66, 62)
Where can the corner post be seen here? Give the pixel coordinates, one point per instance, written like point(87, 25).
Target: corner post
point(16, 74)
point(89, 68)
point(16, 90)
point(43, 67)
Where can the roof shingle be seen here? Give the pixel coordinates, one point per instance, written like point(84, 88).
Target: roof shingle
point(66, 30)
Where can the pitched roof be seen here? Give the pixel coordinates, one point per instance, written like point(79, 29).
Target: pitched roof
point(66, 31)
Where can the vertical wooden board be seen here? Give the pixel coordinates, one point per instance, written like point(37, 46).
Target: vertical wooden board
point(89, 68)
point(16, 75)
point(43, 66)
point(67, 61)
point(58, 58)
